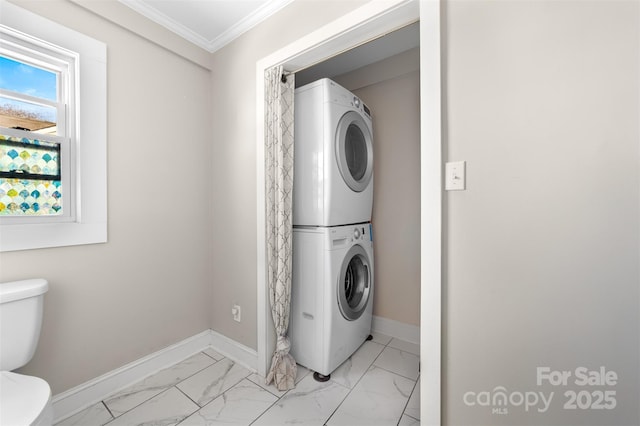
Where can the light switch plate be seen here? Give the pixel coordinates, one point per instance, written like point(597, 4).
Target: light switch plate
point(455, 175)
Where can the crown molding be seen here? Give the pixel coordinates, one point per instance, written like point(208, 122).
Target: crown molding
point(244, 25)
point(153, 14)
point(235, 31)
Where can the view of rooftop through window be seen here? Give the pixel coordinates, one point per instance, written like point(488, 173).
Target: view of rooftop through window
point(28, 96)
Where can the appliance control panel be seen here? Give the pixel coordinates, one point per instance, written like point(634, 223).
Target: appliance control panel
point(341, 96)
point(362, 233)
point(349, 234)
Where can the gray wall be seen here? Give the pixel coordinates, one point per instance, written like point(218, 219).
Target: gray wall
point(234, 166)
point(391, 88)
point(542, 249)
point(150, 285)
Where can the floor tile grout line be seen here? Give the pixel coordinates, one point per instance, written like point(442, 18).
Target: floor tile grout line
point(354, 386)
point(345, 397)
point(138, 405)
point(264, 411)
point(391, 372)
point(408, 399)
point(359, 379)
point(397, 374)
point(163, 390)
point(278, 398)
point(377, 366)
point(200, 407)
point(268, 408)
point(108, 411)
point(220, 395)
point(401, 375)
point(189, 398)
point(405, 414)
point(233, 363)
point(145, 401)
point(263, 387)
point(341, 402)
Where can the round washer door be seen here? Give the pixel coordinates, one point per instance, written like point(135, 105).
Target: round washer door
point(354, 283)
point(354, 151)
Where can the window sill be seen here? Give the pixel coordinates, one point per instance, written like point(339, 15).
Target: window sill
point(26, 237)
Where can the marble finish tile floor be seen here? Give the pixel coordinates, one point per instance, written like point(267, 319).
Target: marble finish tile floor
point(378, 385)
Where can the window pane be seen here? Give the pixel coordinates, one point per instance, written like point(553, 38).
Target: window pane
point(30, 182)
point(22, 78)
point(30, 197)
point(27, 116)
point(29, 156)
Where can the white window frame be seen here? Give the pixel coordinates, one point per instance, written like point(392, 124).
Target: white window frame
point(34, 52)
point(85, 221)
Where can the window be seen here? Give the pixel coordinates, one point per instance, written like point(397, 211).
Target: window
point(52, 134)
point(37, 128)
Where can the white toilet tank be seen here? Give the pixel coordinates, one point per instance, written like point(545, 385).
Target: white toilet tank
point(20, 321)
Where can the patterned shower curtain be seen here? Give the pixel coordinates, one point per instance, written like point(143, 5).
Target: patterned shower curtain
point(279, 194)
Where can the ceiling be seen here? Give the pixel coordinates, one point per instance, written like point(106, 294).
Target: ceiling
point(383, 47)
point(210, 24)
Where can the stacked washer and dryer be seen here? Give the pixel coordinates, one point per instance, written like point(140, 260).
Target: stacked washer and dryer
point(332, 276)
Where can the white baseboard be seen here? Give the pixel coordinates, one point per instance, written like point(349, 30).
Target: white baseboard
point(74, 400)
point(235, 351)
point(403, 331)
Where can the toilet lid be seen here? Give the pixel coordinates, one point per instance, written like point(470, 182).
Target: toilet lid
point(22, 398)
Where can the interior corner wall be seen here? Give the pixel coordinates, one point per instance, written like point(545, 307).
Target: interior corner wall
point(394, 99)
point(149, 286)
point(234, 158)
point(541, 252)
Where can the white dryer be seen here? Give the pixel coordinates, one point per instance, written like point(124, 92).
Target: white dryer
point(333, 156)
point(331, 294)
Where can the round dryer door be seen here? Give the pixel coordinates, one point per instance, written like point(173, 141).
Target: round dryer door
point(354, 151)
point(354, 283)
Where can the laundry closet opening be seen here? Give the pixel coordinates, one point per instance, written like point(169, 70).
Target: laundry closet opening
point(385, 75)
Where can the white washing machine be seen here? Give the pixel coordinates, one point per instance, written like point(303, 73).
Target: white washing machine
point(333, 156)
point(331, 294)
